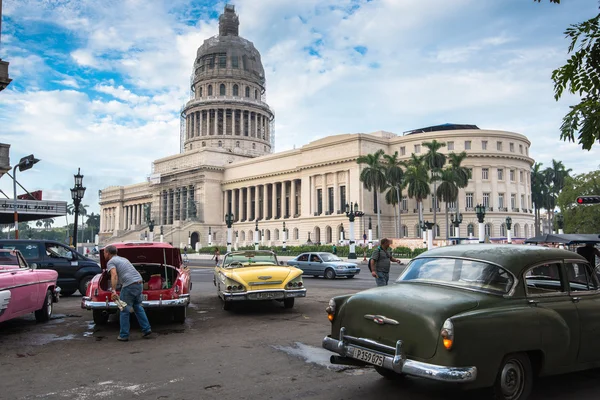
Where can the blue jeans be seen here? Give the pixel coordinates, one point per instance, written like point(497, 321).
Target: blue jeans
point(382, 278)
point(132, 295)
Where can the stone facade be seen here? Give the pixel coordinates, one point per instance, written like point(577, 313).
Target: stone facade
point(227, 166)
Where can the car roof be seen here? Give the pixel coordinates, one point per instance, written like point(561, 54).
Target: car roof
point(512, 257)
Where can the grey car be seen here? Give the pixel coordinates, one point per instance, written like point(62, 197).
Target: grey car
point(324, 264)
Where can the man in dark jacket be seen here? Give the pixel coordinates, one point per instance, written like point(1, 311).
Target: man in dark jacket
point(379, 264)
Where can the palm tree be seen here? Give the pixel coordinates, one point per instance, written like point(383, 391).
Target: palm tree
point(48, 223)
point(395, 175)
point(391, 197)
point(373, 178)
point(447, 191)
point(435, 161)
point(537, 193)
point(416, 180)
point(39, 223)
point(461, 174)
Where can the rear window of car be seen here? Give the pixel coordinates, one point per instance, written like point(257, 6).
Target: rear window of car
point(471, 274)
point(28, 250)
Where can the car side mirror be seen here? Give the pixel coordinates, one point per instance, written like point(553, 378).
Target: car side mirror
point(280, 262)
point(33, 265)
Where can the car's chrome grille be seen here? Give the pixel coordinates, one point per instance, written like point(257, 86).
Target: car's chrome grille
point(266, 283)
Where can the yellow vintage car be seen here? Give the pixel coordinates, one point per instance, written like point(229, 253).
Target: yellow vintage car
point(256, 275)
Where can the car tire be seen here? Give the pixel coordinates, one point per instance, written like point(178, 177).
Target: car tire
point(66, 293)
point(289, 302)
point(227, 306)
point(329, 273)
point(179, 314)
point(100, 317)
point(515, 378)
point(83, 284)
point(44, 313)
point(389, 374)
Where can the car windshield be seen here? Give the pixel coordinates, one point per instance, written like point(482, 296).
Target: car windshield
point(249, 258)
point(9, 258)
point(463, 273)
point(329, 257)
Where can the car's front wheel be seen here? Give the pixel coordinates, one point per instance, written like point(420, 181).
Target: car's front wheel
point(329, 273)
point(515, 378)
point(100, 317)
point(44, 313)
point(288, 303)
point(83, 284)
point(388, 373)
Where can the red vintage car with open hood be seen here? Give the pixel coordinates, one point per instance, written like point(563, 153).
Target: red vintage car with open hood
point(167, 282)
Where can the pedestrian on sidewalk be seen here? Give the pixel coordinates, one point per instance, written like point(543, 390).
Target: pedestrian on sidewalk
point(334, 249)
point(123, 272)
point(379, 263)
point(216, 256)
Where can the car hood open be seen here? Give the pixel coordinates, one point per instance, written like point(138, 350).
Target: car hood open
point(137, 254)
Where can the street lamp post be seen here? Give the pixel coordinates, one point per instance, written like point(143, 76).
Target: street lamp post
point(429, 226)
point(370, 234)
point(560, 221)
point(508, 230)
point(352, 212)
point(256, 233)
point(189, 243)
point(77, 193)
point(284, 232)
point(424, 229)
point(456, 221)
point(209, 236)
point(342, 234)
point(480, 212)
point(229, 222)
point(24, 164)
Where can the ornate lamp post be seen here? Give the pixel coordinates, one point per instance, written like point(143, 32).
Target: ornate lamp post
point(77, 193)
point(508, 230)
point(560, 221)
point(162, 237)
point(209, 236)
point(229, 221)
point(342, 233)
point(456, 221)
point(370, 234)
point(284, 232)
point(424, 229)
point(24, 164)
point(480, 212)
point(256, 233)
point(352, 212)
point(429, 226)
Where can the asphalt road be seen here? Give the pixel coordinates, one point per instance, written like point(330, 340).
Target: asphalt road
point(258, 351)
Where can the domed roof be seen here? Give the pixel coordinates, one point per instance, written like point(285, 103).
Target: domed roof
point(227, 52)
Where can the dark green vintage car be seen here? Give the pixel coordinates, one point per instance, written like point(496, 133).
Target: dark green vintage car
point(481, 315)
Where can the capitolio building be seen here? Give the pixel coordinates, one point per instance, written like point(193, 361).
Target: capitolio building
point(227, 165)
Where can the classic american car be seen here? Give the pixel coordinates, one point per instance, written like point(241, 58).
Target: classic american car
point(324, 264)
point(482, 315)
point(256, 275)
point(167, 282)
point(25, 290)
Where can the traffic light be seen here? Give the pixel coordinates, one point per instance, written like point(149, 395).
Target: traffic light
point(588, 200)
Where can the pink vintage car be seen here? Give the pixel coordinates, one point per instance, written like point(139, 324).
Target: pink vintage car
point(24, 290)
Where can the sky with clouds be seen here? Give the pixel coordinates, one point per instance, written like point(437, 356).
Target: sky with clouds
point(99, 84)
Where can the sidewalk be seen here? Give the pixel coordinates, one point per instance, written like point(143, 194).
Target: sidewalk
point(360, 260)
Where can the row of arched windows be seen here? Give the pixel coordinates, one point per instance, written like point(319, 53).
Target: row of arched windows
point(222, 90)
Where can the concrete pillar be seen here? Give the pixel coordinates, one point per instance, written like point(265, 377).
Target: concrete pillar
point(248, 203)
point(216, 122)
point(240, 203)
point(242, 114)
point(265, 196)
point(274, 200)
point(234, 205)
point(256, 202)
point(256, 125)
point(200, 128)
point(224, 121)
point(293, 199)
point(336, 194)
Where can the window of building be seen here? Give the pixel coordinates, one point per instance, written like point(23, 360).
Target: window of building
point(417, 148)
point(503, 230)
point(516, 230)
point(486, 200)
point(513, 201)
point(236, 90)
point(191, 146)
point(469, 200)
point(222, 89)
point(203, 144)
point(521, 148)
point(512, 175)
point(499, 146)
point(470, 230)
point(210, 90)
point(319, 201)
point(488, 230)
point(247, 91)
point(330, 196)
point(484, 145)
point(402, 151)
point(511, 147)
point(500, 174)
point(450, 145)
point(200, 94)
point(485, 172)
point(253, 146)
point(523, 201)
point(404, 231)
point(467, 145)
point(237, 143)
point(342, 198)
point(500, 200)
point(210, 61)
point(220, 144)
point(526, 150)
point(404, 203)
point(222, 60)
point(235, 62)
point(256, 94)
point(520, 176)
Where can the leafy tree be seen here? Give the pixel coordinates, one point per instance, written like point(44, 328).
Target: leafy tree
point(39, 223)
point(580, 218)
point(373, 178)
point(435, 161)
point(416, 180)
point(48, 222)
point(394, 175)
point(391, 197)
point(447, 191)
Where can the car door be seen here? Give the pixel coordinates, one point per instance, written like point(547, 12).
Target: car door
point(316, 264)
point(302, 263)
point(7, 280)
point(557, 315)
point(60, 258)
point(583, 289)
point(25, 292)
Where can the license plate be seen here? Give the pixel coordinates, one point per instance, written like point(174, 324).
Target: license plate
point(368, 356)
point(144, 297)
point(267, 295)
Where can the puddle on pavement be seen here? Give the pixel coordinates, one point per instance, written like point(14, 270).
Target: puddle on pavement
point(45, 338)
point(319, 356)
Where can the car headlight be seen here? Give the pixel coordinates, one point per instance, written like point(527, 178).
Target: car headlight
point(233, 286)
point(295, 283)
point(447, 334)
point(340, 267)
point(331, 310)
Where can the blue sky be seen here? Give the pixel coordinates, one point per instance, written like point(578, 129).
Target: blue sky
point(99, 84)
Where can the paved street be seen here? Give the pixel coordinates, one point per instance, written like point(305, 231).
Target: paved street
point(260, 351)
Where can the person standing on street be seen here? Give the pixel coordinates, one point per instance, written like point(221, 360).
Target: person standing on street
point(334, 249)
point(379, 263)
point(216, 255)
point(123, 272)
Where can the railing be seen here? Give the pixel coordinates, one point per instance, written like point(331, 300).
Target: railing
point(236, 99)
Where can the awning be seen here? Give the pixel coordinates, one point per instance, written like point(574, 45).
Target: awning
point(31, 210)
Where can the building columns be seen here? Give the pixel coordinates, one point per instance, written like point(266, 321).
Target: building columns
point(274, 201)
point(248, 203)
point(293, 199)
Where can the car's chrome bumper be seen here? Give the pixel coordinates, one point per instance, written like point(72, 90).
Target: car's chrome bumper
point(182, 301)
point(56, 294)
point(346, 272)
point(268, 294)
point(398, 362)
